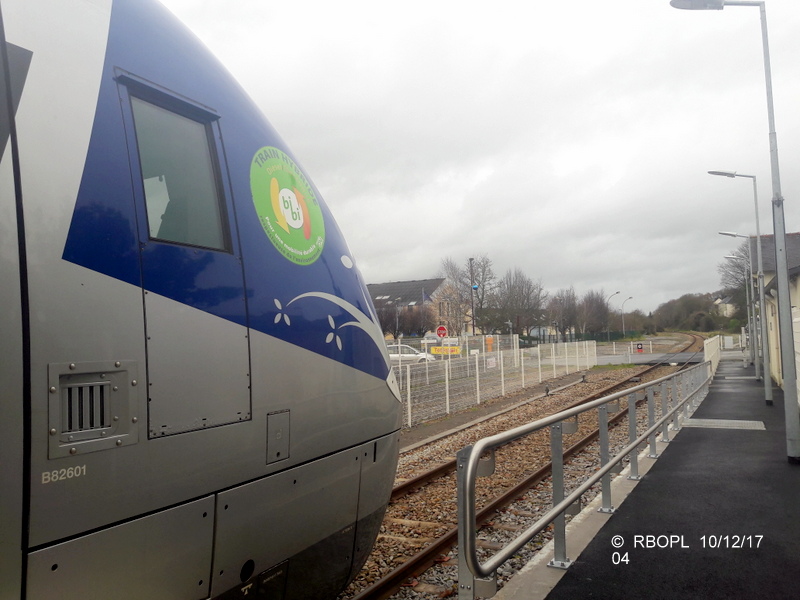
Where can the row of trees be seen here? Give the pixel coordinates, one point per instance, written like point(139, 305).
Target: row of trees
point(474, 298)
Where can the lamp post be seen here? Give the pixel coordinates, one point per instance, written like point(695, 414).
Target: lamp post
point(760, 322)
point(791, 411)
point(762, 305)
point(559, 323)
point(750, 301)
point(623, 314)
point(608, 327)
point(472, 288)
point(397, 319)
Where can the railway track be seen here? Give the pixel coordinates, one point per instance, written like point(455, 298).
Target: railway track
point(432, 535)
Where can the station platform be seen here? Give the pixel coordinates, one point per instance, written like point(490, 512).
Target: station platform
point(717, 515)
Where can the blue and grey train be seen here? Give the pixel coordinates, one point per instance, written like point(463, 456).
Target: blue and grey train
point(196, 400)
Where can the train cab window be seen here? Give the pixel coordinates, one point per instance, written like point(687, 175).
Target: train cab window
point(182, 194)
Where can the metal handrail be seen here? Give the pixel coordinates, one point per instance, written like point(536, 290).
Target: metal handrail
point(469, 463)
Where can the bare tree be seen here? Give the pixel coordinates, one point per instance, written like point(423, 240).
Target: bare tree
point(517, 303)
point(734, 274)
point(417, 320)
point(453, 296)
point(593, 312)
point(563, 311)
point(482, 284)
point(472, 284)
point(386, 312)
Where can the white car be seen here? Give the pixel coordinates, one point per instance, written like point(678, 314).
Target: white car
point(402, 353)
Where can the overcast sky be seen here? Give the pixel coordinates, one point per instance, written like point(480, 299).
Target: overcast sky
point(569, 139)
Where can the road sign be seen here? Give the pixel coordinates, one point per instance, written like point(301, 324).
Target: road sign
point(446, 350)
point(441, 331)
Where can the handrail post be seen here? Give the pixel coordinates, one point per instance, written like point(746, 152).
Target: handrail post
point(408, 391)
point(664, 411)
point(632, 437)
point(602, 418)
point(560, 559)
point(651, 420)
point(466, 580)
point(539, 360)
point(477, 378)
point(447, 385)
point(698, 398)
point(470, 586)
point(502, 375)
point(676, 396)
point(686, 389)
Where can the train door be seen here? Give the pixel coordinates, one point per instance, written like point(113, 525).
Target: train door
point(193, 282)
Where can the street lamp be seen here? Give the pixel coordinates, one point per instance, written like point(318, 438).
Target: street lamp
point(472, 288)
point(762, 314)
point(397, 319)
point(791, 411)
point(762, 306)
point(623, 314)
point(560, 322)
point(749, 297)
point(751, 301)
point(608, 327)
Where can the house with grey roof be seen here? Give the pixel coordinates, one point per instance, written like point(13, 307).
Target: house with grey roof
point(408, 307)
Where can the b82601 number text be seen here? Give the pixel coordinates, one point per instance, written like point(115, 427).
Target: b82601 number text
point(62, 474)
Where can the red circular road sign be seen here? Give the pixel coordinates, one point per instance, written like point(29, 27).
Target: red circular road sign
point(441, 331)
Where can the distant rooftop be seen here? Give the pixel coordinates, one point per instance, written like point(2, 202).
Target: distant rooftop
point(405, 293)
point(768, 252)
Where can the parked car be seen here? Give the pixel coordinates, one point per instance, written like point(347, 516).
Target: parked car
point(402, 353)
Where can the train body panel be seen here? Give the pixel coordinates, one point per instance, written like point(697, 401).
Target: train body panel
point(197, 330)
point(107, 490)
point(320, 512)
point(168, 554)
point(12, 393)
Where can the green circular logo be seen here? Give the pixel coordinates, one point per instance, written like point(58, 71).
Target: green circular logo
point(286, 206)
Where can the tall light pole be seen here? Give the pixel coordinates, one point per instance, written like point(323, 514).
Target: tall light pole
point(608, 327)
point(761, 321)
point(559, 324)
point(762, 305)
point(623, 314)
point(749, 300)
point(790, 407)
point(397, 320)
point(472, 287)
